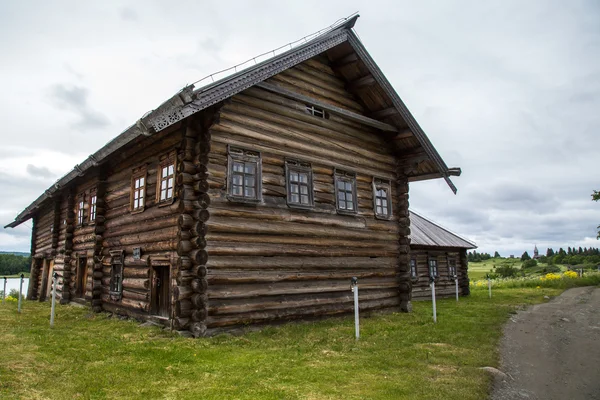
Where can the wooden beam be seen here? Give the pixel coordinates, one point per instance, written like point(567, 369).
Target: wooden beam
point(386, 112)
point(345, 61)
point(405, 134)
point(456, 171)
point(424, 177)
point(328, 107)
point(360, 82)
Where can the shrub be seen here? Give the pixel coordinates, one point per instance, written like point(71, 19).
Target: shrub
point(551, 268)
point(507, 271)
point(14, 293)
point(529, 264)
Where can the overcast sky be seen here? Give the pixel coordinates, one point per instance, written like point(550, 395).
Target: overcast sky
point(509, 91)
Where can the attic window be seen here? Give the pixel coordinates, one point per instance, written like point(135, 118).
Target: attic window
point(317, 112)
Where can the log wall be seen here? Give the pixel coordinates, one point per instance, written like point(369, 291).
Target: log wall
point(270, 263)
point(154, 229)
point(444, 286)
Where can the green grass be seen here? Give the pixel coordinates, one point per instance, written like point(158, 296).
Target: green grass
point(25, 275)
point(399, 356)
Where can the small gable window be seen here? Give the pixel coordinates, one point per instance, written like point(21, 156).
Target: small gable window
point(93, 206)
point(316, 111)
point(345, 191)
point(433, 268)
point(138, 189)
point(244, 183)
point(382, 201)
point(165, 192)
point(299, 184)
point(413, 269)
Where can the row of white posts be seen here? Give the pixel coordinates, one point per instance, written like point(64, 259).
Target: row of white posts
point(53, 307)
point(354, 288)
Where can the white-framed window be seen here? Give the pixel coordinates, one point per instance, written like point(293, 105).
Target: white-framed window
point(382, 198)
point(414, 273)
point(165, 187)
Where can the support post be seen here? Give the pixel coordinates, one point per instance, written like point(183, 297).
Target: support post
point(20, 293)
point(354, 286)
point(4, 291)
point(489, 286)
point(456, 284)
point(432, 284)
point(53, 307)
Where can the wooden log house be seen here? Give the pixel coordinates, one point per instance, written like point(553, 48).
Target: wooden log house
point(252, 200)
point(437, 253)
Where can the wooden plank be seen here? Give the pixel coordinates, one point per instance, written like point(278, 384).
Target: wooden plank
point(386, 112)
point(361, 82)
point(328, 107)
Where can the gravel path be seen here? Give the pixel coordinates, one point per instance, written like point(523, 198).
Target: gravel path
point(552, 350)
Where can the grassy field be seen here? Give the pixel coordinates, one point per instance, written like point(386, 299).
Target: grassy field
point(399, 356)
point(478, 270)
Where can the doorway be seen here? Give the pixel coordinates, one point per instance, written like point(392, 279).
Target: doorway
point(160, 290)
point(81, 277)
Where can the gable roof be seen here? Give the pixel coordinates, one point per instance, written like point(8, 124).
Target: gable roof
point(189, 101)
point(424, 232)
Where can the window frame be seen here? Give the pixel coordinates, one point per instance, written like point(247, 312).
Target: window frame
point(318, 112)
point(299, 167)
point(92, 206)
point(116, 273)
point(385, 185)
point(80, 209)
point(164, 161)
point(341, 175)
point(138, 173)
point(452, 266)
point(433, 259)
point(244, 156)
point(414, 277)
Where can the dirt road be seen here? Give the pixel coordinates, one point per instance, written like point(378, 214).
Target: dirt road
point(552, 350)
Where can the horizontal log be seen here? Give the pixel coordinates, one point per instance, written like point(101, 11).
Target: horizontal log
point(183, 308)
point(199, 315)
point(199, 285)
point(198, 256)
point(135, 227)
point(214, 238)
point(198, 329)
point(295, 313)
point(136, 283)
point(135, 305)
point(282, 302)
point(288, 288)
point(181, 323)
point(259, 276)
point(257, 227)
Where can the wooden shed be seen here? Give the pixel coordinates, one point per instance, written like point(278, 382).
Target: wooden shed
point(251, 200)
point(439, 253)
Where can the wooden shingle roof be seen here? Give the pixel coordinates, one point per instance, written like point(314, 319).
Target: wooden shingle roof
point(418, 158)
point(424, 232)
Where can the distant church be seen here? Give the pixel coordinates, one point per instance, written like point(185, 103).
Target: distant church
point(536, 253)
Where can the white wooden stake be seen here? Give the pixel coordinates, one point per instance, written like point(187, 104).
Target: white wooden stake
point(433, 300)
point(4, 291)
point(456, 284)
point(356, 319)
point(20, 293)
point(52, 308)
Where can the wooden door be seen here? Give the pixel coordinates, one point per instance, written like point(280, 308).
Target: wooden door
point(49, 282)
point(160, 290)
point(81, 277)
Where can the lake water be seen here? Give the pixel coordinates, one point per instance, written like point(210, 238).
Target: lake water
point(13, 283)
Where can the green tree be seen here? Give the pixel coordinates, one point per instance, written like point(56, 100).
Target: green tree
point(596, 197)
point(496, 254)
point(549, 252)
point(525, 256)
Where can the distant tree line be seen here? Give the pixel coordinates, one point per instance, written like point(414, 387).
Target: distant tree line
point(572, 256)
point(11, 264)
point(474, 256)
